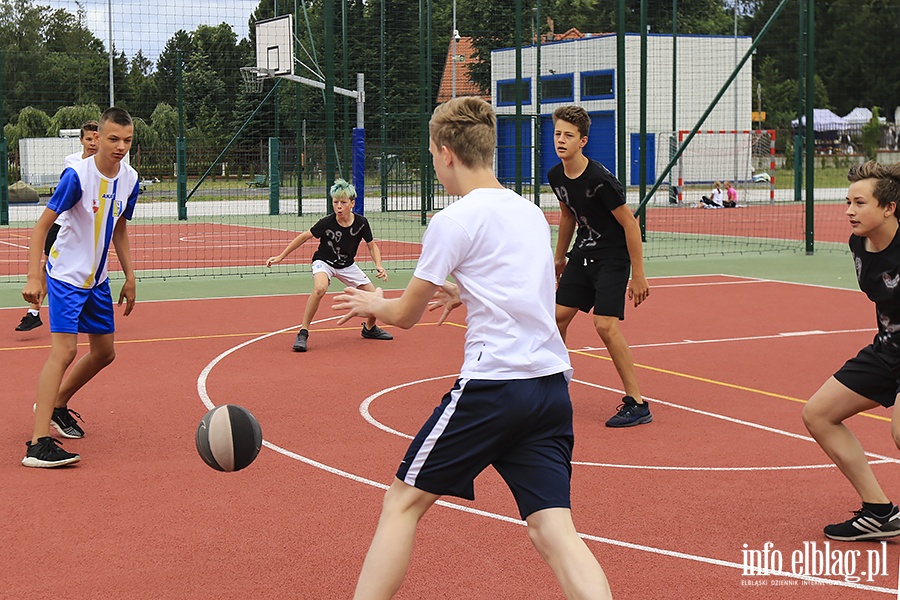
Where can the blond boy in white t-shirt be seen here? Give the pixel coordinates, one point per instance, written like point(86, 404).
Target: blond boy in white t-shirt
point(88, 139)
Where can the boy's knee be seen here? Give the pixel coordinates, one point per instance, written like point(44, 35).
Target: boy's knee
point(403, 499)
point(811, 416)
point(606, 326)
point(895, 433)
point(106, 357)
point(545, 536)
point(64, 355)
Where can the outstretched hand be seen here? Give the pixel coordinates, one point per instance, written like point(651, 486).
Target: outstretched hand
point(446, 297)
point(357, 303)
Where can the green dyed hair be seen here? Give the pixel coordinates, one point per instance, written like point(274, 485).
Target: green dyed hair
point(343, 189)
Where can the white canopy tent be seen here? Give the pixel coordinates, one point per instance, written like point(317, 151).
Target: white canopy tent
point(824, 120)
point(858, 117)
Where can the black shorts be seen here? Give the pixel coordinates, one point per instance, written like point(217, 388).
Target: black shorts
point(872, 374)
point(523, 427)
point(51, 238)
point(594, 284)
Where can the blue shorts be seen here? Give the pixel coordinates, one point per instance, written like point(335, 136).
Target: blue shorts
point(595, 284)
point(78, 310)
point(523, 427)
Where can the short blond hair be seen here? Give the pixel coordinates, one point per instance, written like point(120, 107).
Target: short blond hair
point(887, 180)
point(468, 127)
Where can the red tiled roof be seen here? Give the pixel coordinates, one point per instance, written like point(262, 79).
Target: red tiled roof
point(464, 85)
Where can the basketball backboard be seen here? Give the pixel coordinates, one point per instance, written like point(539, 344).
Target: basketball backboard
point(275, 45)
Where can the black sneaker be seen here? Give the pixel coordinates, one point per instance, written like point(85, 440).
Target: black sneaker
point(29, 322)
point(865, 525)
point(66, 424)
point(300, 342)
point(630, 413)
point(376, 333)
point(47, 453)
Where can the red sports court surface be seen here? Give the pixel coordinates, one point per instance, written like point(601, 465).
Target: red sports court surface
point(675, 509)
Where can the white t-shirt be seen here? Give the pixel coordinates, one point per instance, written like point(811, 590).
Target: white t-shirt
point(70, 161)
point(496, 245)
point(73, 159)
point(717, 197)
point(92, 205)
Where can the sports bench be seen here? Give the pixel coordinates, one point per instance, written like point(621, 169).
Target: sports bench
point(257, 181)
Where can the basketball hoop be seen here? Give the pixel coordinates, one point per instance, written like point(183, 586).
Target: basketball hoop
point(253, 78)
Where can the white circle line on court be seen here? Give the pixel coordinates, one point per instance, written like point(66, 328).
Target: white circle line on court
point(367, 415)
point(209, 404)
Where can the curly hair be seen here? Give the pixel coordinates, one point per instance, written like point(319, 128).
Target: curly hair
point(887, 180)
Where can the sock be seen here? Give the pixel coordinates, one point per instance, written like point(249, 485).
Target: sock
point(879, 510)
point(33, 312)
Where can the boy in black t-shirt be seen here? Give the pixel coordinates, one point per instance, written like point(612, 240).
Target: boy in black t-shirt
point(607, 247)
point(339, 235)
point(871, 378)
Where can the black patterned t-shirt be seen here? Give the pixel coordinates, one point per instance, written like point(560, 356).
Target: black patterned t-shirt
point(338, 244)
point(592, 196)
point(878, 274)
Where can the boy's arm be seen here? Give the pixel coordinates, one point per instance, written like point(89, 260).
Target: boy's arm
point(295, 243)
point(403, 312)
point(33, 290)
point(638, 288)
point(564, 237)
point(123, 252)
point(375, 253)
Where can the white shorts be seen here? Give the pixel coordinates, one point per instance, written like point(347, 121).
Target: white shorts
point(351, 276)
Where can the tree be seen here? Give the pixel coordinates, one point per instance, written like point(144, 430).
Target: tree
point(73, 117)
point(871, 135)
point(30, 123)
point(164, 121)
point(168, 66)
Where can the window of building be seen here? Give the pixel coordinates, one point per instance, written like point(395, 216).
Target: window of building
point(558, 88)
point(598, 85)
point(506, 92)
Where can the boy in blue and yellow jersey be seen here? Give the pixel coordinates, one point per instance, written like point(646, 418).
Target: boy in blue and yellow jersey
point(93, 195)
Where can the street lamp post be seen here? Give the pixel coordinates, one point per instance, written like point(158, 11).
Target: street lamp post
point(112, 94)
point(453, 58)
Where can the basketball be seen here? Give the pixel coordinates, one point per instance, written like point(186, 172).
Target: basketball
point(228, 438)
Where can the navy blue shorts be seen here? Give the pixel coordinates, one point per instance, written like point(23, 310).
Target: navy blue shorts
point(872, 374)
point(593, 284)
point(523, 427)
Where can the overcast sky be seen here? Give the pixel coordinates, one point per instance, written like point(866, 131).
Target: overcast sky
point(147, 25)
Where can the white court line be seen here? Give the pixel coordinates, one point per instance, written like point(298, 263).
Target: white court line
point(367, 415)
point(207, 401)
point(773, 336)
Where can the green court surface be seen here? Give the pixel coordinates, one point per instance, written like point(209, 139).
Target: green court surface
point(829, 268)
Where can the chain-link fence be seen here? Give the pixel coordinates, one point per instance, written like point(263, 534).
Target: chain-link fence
point(232, 168)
